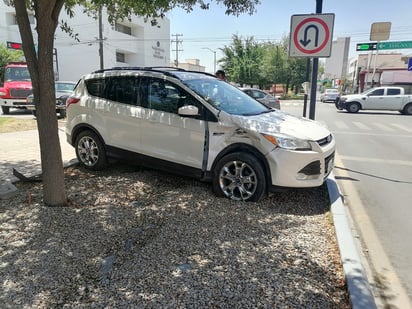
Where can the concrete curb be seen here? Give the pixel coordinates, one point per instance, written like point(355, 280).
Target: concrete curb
point(359, 289)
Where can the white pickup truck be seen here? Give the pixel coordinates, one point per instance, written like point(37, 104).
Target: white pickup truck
point(380, 98)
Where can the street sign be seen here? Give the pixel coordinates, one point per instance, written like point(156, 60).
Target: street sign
point(380, 31)
point(394, 45)
point(311, 35)
point(365, 46)
point(14, 45)
point(410, 64)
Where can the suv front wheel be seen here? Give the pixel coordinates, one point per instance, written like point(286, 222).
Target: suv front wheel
point(239, 176)
point(90, 150)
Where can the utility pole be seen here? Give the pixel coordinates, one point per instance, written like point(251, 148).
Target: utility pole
point(177, 50)
point(101, 39)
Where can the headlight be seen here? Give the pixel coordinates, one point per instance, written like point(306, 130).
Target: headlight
point(288, 142)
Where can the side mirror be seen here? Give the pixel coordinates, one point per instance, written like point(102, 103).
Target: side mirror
point(188, 110)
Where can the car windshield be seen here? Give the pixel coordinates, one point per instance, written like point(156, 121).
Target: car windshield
point(64, 87)
point(224, 96)
point(332, 91)
point(17, 74)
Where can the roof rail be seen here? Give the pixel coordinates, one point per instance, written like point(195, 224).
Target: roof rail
point(155, 68)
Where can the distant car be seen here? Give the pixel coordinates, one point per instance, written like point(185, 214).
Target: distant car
point(63, 90)
point(263, 97)
point(329, 95)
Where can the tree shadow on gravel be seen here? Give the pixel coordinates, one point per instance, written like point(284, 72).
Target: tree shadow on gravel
point(139, 238)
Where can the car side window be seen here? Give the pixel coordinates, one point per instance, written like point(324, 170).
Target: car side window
point(377, 92)
point(394, 91)
point(257, 94)
point(122, 89)
point(161, 95)
point(96, 86)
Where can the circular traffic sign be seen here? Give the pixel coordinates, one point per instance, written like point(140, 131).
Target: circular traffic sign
point(311, 35)
point(303, 24)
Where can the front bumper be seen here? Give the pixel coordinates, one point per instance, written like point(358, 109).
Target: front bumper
point(340, 104)
point(301, 169)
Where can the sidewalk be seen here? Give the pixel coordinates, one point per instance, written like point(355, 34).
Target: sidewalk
point(21, 150)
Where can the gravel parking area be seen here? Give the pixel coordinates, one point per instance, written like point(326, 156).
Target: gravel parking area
point(136, 238)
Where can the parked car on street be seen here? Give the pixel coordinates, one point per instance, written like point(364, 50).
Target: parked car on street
point(194, 124)
point(379, 98)
point(263, 97)
point(329, 95)
point(63, 90)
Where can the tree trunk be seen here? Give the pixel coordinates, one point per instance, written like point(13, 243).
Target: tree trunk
point(42, 74)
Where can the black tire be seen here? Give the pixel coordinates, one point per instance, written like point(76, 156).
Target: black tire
point(353, 107)
point(90, 151)
point(407, 110)
point(34, 113)
point(240, 176)
point(5, 110)
point(62, 113)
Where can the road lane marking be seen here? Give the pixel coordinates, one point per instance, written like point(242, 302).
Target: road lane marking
point(361, 126)
point(376, 160)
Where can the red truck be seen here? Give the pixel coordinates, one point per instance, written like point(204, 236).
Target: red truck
point(16, 86)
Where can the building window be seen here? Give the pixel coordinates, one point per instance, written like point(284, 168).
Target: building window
point(123, 29)
point(120, 57)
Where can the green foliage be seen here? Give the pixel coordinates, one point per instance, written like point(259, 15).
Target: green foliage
point(8, 55)
point(248, 62)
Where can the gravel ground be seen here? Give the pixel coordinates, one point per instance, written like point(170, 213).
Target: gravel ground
point(136, 238)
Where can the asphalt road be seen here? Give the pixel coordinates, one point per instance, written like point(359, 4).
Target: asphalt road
point(375, 151)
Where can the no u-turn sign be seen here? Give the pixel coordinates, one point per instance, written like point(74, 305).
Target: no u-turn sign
point(311, 35)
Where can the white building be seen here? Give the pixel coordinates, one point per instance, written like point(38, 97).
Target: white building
point(127, 43)
point(336, 66)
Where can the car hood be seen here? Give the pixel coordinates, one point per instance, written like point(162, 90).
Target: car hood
point(281, 122)
point(18, 84)
point(352, 96)
point(63, 93)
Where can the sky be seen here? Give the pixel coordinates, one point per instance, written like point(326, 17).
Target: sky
point(202, 29)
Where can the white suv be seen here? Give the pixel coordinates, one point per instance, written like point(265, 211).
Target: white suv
point(194, 124)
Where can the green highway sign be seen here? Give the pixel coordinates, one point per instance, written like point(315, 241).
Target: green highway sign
point(365, 46)
point(394, 45)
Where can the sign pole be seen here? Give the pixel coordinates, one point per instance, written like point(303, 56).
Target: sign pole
point(315, 68)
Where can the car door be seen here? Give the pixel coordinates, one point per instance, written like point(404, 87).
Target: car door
point(122, 112)
point(374, 99)
point(164, 134)
point(393, 99)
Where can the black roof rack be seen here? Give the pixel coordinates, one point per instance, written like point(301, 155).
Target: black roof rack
point(155, 68)
point(160, 69)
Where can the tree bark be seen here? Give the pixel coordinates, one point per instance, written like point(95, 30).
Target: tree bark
point(42, 74)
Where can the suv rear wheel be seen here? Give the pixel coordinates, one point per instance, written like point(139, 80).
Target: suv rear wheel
point(90, 150)
point(239, 176)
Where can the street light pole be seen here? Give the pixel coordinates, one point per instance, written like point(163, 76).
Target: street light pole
point(214, 58)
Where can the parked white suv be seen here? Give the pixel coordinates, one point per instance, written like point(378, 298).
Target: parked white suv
point(194, 124)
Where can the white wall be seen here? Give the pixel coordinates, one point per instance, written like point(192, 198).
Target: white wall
point(147, 46)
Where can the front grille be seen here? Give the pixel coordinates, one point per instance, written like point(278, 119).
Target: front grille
point(20, 93)
point(325, 141)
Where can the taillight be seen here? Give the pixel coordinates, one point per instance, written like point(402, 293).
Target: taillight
point(71, 100)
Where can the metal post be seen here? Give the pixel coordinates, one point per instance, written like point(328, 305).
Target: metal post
point(305, 97)
point(214, 57)
point(314, 73)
